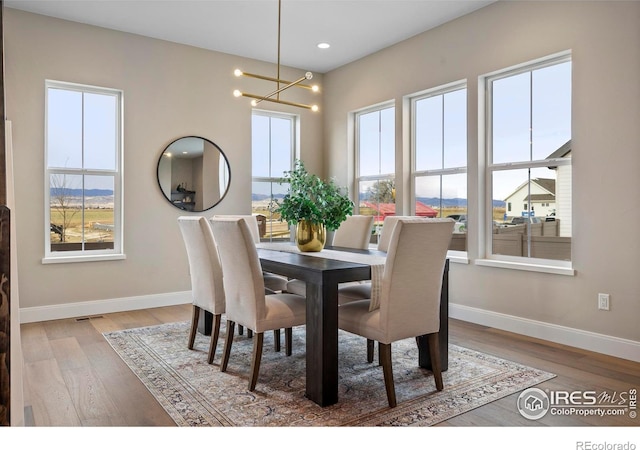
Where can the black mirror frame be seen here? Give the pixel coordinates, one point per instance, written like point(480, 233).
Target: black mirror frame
point(168, 199)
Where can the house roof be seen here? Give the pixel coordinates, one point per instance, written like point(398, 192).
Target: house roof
point(563, 151)
point(541, 198)
point(548, 184)
point(389, 209)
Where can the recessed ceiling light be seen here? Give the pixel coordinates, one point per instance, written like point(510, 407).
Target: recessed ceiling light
point(324, 45)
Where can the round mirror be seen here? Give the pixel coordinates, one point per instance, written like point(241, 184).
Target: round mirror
point(193, 174)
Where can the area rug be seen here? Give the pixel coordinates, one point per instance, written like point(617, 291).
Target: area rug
point(195, 393)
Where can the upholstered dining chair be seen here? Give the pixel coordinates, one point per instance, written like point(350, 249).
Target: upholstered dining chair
point(349, 292)
point(272, 281)
point(354, 232)
point(207, 288)
point(410, 294)
point(246, 301)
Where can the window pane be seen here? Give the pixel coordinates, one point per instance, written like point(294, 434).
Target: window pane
point(455, 129)
point(65, 210)
point(262, 203)
point(369, 143)
point(100, 131)
point(539, 223)
point(447, 196)
point(377, 198)
point(428, 133)
point(98, 212)
point(260, 145)
point(64, 128)
point(551, 109)
point(281, 146)
point(511, 118)
point(387, 141)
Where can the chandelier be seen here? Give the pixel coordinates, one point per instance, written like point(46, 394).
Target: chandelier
point(281, 85)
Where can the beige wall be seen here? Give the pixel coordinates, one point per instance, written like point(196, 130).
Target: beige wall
point(170, 91)
point(603, 38)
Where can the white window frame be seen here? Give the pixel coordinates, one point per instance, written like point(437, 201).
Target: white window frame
point(486, 169)
point(118, 192)
point(454, 255)
point(295, 140)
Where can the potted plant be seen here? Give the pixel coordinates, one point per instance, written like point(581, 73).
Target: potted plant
point(314, 206)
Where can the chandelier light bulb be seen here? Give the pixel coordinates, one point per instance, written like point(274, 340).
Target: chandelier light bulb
point(237, 72)
point(254, 103)
point(314, 108)
point(315, 88)
point(237, 93)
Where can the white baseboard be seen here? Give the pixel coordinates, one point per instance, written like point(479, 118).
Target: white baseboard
point(600, 343)
point(92, 308)
point(586, 340)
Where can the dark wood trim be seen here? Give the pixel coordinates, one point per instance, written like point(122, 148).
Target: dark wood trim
point(5, 256)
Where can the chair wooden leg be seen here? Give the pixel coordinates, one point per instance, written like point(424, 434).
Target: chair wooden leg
point(240, 330)
point(434, 353)
point(257, 357)
point(385, 357)
point(215, 333)
point(249, 333)
point(227, 345)
point(195, 316)
point(288, 337)
point(276, 340)
point(370, 348)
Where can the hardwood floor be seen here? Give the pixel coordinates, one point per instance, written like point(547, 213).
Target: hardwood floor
point(74, 378)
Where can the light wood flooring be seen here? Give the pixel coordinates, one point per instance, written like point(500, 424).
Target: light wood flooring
point(74, 378)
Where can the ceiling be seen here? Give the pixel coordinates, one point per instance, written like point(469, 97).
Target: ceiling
point(249, 28)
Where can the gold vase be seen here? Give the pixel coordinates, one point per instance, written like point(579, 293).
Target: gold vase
point(310, 237)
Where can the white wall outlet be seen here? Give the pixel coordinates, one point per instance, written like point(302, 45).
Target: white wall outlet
point(603, 302)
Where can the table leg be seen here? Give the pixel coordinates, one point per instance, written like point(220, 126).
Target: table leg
point(322, 341)
point(424, 359)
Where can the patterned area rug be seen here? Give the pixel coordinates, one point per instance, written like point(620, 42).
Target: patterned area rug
point(195, 393)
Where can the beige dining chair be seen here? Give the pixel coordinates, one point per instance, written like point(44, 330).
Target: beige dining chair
point(354, 232)
point(246, 301)
point(272, 281)
point(409, 297)
point(207, 290)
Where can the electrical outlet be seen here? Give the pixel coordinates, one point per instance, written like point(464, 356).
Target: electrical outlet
point(603, 302)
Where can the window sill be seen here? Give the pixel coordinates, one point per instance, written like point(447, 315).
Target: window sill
point(82, 258)
point(458, 259)
point(557, 270)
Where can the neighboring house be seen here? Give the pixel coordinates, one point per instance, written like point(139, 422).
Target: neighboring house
point(548, 196)
point(563, 190)
point(541, 200)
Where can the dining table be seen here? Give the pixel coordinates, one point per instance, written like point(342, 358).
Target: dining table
point(322, 273)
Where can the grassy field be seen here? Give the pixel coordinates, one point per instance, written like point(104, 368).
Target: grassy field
point(75, 224)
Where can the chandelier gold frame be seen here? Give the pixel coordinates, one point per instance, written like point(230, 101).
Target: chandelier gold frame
point(281, 85)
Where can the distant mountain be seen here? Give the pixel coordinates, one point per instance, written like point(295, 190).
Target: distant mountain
point(454, 202)
point(257, 197)
point(78, 192)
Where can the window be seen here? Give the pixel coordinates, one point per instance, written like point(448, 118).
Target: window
point(439, 149)
point(83, 186)
point(273, 150)
point(375, 163)
point(529, 163)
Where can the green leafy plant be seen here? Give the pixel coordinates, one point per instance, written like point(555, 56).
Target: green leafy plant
point(313, 199)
